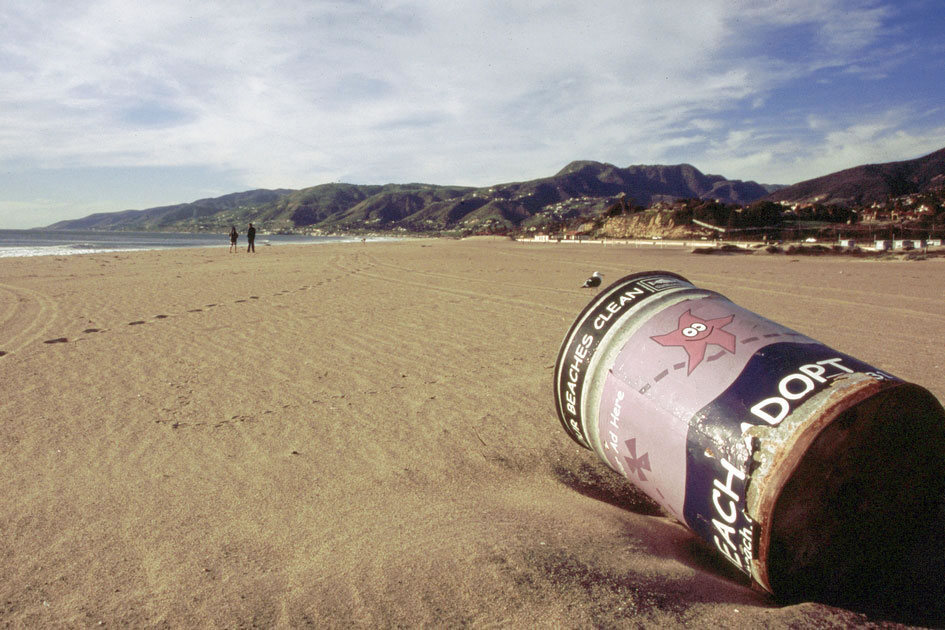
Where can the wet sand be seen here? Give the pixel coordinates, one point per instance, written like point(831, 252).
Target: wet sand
point(364, 435)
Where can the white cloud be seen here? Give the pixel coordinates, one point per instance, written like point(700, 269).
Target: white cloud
point(817, 122)
point(874, 142)
point(792, 159)
point(297, 93)
point(219, 84)
point(23, 215)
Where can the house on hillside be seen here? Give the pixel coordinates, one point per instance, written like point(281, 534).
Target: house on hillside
point(874, 214)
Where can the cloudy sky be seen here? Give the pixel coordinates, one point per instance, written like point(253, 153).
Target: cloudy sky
point(113, 104)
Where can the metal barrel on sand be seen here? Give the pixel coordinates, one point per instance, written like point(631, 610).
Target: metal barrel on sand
point(806, 468)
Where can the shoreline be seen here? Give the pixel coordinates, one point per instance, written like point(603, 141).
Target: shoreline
point(30, 243)
point(77, 242)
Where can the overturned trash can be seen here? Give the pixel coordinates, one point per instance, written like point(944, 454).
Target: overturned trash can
point(809, 470)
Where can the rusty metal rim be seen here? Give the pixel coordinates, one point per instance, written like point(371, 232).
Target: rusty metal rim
point(793, 451)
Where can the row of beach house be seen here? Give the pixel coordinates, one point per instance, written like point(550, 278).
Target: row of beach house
point(900, 244)
point(895, 244)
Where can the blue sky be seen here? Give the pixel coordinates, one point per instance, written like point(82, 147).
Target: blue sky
point(110, 105)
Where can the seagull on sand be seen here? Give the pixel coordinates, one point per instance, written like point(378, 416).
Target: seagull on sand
point(593, 281)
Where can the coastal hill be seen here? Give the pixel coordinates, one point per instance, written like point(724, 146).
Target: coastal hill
point(582, 187)
point(170, 216)
point(870, 183)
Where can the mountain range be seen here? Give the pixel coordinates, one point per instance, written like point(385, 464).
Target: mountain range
point(581, 188)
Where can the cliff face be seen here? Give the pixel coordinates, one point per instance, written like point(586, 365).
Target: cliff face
point(647, 225)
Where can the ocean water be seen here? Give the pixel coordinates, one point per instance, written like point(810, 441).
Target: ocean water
point(72, 242)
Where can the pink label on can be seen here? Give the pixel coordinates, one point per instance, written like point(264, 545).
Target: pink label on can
point(676, 363)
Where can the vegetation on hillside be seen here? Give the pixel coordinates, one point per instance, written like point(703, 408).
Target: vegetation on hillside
point(895, 200)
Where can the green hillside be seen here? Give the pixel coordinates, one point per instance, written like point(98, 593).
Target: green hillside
point(580, 188)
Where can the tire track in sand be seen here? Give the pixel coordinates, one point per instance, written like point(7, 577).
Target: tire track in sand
point(399, 275)
point(844, 297)
point(26, 318)
point(856, 295)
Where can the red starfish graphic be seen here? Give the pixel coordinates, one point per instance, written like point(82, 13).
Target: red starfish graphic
point(637, 464)
point(693, 334)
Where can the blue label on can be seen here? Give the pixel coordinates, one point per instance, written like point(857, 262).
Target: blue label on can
point(775, 381)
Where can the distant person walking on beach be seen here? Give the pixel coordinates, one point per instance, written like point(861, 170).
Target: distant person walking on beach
point(251, 235)
point(233, 235)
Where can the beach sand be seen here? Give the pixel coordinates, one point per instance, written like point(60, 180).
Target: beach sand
point(365, 435)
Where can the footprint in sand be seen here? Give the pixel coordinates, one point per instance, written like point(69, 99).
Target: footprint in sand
point(92, 330)
point(210, 305)
point(57, 340)
point(195, 310)
point(137, 323)
point(160, 317)
point(254, 297)
point(238, 301)
point(2, 353)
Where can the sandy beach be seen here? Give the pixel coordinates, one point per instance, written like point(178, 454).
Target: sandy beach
point(364, 435)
